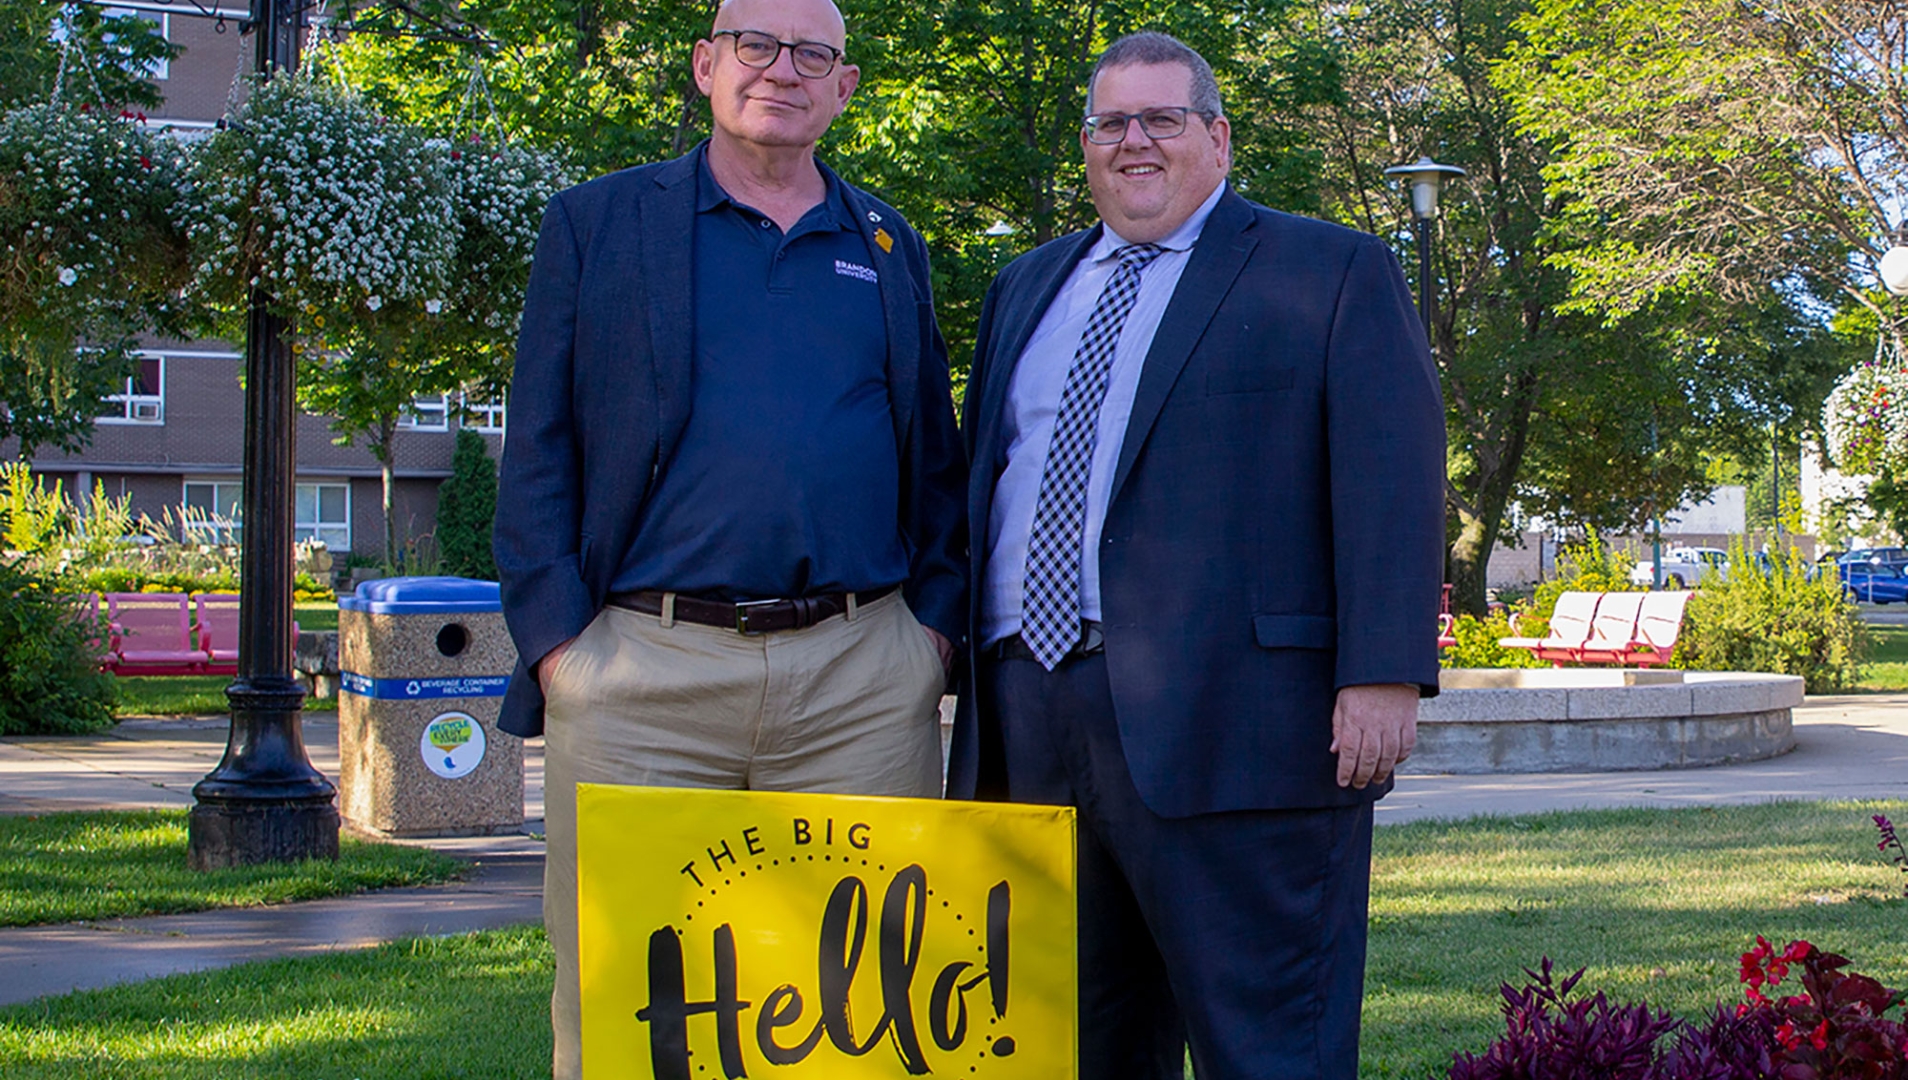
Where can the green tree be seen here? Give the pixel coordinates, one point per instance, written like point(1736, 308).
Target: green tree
point(466, 506)
point(107, 63)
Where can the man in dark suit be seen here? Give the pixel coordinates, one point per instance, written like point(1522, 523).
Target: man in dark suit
point(729, 517)
point(1206, 515)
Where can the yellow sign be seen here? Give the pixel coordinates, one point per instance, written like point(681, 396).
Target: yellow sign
point(734, 934)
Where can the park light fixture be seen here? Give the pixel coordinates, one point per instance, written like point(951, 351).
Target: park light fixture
point(1427, 178)
point(999, 230)
point(1893, 267)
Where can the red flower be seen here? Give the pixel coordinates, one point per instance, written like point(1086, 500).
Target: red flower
point(1787, 1036)
point(145, 162)
point(1819, 1037)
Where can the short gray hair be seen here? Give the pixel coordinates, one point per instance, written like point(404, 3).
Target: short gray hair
point(1153, 47)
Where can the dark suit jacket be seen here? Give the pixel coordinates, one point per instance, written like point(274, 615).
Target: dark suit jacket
point(602, 392)
point(1276, 524)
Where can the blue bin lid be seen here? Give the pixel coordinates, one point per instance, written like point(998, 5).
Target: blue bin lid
point(423, 596)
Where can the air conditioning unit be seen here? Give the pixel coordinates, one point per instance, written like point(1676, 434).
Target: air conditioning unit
point(148, 410)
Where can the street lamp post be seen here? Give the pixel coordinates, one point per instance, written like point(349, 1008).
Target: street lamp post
point(265, 802)
point(1427, 178)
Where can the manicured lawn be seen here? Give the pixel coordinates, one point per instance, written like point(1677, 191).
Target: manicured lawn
point(1887, 668)
point(68, 867)
point(316, 614)
point(1657, 904)
point(187, 695)
point(473, 1006)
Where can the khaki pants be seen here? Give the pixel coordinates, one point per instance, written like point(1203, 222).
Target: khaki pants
point(847, 706)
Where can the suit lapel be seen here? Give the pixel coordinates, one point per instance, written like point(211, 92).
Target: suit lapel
point(1222, 250)
point(1019, 318)
point(667, 226)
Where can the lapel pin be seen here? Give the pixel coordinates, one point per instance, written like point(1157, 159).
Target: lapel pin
point(882, 238)
point(874, 217)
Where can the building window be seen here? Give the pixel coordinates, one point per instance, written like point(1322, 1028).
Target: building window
point(144, 399)
point(212, 511)
point(323, 512)
point(486, 417)
point(427, 413)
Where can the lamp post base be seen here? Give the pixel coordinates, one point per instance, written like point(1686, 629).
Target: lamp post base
point(264, 803)
point(222, 834)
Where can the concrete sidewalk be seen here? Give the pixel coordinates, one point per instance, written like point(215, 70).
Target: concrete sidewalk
point(1851, 747)
point(154, 763)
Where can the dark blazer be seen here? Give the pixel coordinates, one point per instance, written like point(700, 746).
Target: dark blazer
point(602, 391)
point(1276, 524)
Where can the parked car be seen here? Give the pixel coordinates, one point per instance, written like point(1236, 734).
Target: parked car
point(1893, 556)
point(1682, 567)
point(1875, 582)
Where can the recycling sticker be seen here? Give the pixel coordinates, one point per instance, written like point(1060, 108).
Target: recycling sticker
point(452, 745)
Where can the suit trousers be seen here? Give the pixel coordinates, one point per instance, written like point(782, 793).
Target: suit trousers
point(1240, 933)
point(847, 706)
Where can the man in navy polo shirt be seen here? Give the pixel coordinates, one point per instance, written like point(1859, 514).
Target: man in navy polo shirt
point(730, 525)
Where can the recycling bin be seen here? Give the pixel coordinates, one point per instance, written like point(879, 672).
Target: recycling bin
point(423, 662)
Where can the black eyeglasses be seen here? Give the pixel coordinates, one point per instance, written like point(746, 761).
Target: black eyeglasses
point(813, 59)
point(1166, 122)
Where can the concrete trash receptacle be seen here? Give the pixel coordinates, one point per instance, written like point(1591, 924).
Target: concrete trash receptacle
point(423, 662)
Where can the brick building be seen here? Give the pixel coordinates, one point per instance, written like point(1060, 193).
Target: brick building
point(175, 436)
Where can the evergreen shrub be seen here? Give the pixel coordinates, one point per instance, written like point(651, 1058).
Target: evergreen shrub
point(466, 506)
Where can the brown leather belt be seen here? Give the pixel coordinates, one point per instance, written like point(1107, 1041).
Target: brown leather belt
point(1092, 640)
point(749, 616)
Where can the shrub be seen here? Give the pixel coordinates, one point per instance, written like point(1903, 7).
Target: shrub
point(1836, 1028)
point(466, 504)
point(1477, 645)
point(1585, 567)
point(1787, 620)
point(50, 682)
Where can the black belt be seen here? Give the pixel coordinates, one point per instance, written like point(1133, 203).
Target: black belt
point(1091, 641)
point(748, 616)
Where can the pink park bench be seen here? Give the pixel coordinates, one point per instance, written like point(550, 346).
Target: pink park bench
point(219, 632)
point(152, 634)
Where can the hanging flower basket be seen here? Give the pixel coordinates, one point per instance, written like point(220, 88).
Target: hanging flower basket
point(89, 245)
point(347, 217)
point(501, 192)
point(1866, 417)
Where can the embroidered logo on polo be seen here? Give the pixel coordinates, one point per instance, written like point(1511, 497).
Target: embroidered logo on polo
point(856, 271)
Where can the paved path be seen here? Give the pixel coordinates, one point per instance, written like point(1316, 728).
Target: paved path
point(1853, 747)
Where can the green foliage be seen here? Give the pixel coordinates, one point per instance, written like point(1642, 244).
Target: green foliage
point(107, 64)
point(1477, 645)
point(1785, 621)
point(466, 505)
point(50, 681)
point(1587, 567)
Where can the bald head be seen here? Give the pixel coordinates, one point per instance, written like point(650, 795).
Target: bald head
point(765, 15)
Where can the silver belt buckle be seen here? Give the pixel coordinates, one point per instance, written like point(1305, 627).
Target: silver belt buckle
point(742, 609)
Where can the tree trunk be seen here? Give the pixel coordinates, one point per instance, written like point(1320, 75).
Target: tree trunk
point(385, 450)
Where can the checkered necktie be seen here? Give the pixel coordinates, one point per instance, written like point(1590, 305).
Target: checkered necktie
point(1050, 607)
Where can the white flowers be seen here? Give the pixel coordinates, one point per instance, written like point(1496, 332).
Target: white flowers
point(82, 191)
point(374, 301)
point(433, 307)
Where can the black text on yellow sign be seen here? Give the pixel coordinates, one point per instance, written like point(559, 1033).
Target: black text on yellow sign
point(742, 934)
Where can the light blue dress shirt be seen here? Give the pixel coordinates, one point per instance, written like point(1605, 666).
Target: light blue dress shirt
point(1033, 403)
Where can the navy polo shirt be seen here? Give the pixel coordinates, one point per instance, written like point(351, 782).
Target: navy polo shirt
point(786, 482)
